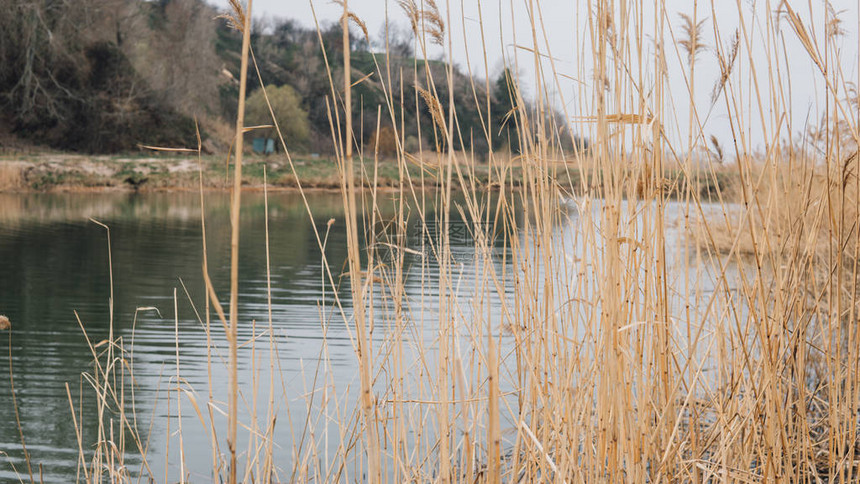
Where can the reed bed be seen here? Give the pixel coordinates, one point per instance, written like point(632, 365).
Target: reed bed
point(625, 326)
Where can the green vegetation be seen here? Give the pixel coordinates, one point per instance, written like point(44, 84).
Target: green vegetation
point(289, 55)
point(286, 104)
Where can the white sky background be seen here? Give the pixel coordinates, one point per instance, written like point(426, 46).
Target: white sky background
point(565, 24)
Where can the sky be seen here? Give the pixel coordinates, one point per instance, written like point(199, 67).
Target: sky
point(564, 36)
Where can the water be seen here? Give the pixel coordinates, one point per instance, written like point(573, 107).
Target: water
point(55, 263)
point(55, 270)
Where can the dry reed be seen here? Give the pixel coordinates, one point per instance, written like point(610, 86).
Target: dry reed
point(642, 340)
point(11, 176)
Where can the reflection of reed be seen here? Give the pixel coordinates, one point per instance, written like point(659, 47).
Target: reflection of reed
point(11, 175)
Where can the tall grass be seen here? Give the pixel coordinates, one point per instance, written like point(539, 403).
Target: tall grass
point(11, 176)
point(233, 332)
point(640, 339)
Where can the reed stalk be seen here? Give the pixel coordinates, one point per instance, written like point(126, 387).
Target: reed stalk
point(364, 348)
point(621, 315)
point(235, 209)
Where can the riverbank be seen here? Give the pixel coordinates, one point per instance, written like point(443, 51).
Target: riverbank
point(145, 172)
point(63, 172)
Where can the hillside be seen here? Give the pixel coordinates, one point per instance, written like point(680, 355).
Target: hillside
point(105, 76)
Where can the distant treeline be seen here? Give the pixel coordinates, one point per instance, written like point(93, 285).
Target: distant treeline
point(108, 75)
point(105, 75)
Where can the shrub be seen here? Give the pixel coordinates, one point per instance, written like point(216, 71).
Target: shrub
point(286, 104)
point(383, 141)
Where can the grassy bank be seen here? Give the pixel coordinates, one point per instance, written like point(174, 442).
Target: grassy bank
point(145, 172)
point(67, 172)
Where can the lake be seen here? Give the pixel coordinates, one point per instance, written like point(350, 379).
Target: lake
point(56, 271)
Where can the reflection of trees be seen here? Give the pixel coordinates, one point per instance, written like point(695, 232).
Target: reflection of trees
point(58, 260)
point(51, 273)
point(55, 262)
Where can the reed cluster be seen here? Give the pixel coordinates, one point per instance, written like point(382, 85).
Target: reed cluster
point(622, 326)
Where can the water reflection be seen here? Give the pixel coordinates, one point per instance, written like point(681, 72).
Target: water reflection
point(54, 264)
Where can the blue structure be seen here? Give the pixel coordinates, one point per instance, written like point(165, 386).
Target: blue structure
point(259, 145)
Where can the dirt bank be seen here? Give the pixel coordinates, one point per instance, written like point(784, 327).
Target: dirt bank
point(69, 172)
point(143, 172)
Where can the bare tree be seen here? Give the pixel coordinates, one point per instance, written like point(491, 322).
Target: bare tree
point(178, 56)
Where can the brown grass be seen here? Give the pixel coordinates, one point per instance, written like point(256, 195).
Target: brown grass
point(637, 354)
point(11, 176)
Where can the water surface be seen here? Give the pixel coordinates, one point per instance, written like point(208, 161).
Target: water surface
point(55, 286)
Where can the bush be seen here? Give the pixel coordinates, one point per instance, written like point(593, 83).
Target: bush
point(286, 104)
point(384, 141)
point(412, 145)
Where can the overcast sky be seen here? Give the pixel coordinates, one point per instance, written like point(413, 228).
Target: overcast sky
point(567, 39)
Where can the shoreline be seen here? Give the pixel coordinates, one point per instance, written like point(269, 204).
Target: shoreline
point(146, 172)
point(67, 173)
